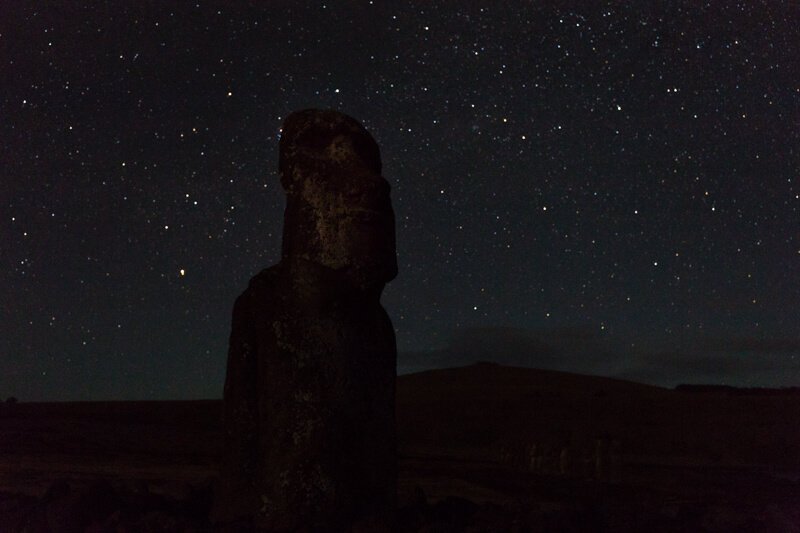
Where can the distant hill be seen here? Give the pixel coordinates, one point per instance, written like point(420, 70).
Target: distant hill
point(749, 391)
point(473, 410)
point(740, 362)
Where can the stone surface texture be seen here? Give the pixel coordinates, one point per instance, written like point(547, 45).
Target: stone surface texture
point(310, 384)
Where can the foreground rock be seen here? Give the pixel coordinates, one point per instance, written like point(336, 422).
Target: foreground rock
point(310, 385)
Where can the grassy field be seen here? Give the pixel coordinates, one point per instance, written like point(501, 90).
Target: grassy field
point(479, 446)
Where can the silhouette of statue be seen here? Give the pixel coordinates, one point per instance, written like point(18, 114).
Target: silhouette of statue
point(310, 384)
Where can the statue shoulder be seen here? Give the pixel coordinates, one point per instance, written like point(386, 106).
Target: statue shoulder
point(261, 288)
point(264, 281)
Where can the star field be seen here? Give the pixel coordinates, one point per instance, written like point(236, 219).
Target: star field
point(628, 171)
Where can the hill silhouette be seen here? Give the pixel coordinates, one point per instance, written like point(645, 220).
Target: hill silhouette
point(741, 362)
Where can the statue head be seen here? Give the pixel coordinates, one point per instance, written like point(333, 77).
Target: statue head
point(338, 211)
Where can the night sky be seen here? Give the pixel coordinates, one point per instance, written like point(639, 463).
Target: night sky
point(614, 188)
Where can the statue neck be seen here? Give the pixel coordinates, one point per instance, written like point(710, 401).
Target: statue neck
point(319, 285)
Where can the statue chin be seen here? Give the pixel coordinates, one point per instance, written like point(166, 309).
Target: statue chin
point(363, 279)
point(362, 263)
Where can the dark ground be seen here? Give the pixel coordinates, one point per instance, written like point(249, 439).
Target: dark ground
point(482, 448)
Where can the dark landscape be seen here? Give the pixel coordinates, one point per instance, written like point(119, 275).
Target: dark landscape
point(225, 228)
point(481, 448)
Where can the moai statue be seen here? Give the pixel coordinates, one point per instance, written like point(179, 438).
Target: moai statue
point(310, 384)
